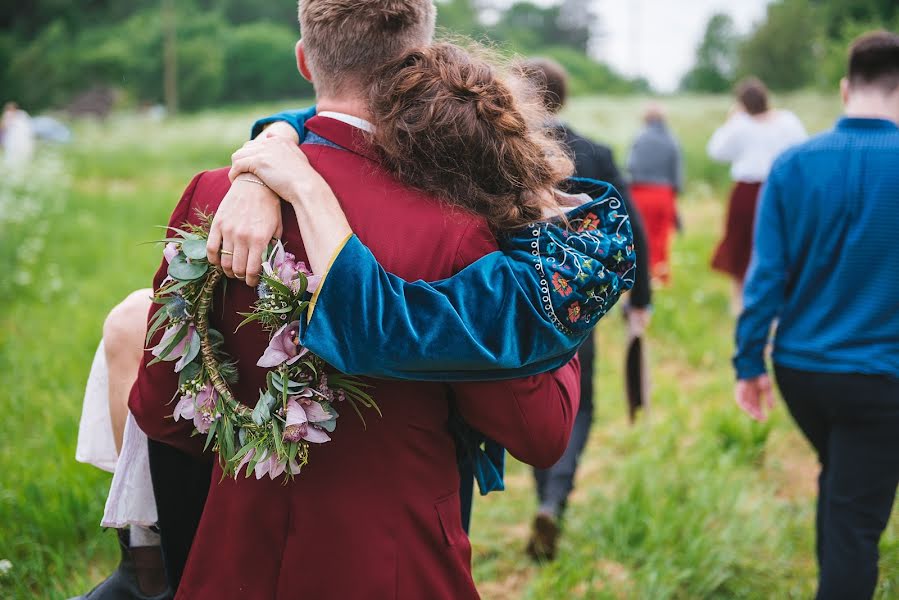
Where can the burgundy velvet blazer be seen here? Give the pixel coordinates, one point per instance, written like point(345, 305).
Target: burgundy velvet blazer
point(375, 513)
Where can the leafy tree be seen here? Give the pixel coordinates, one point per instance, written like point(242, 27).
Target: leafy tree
point(837, 14)
point(780, 51)
point(716, 57)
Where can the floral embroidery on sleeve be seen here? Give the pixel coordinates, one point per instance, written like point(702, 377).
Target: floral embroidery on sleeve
point(586, 265)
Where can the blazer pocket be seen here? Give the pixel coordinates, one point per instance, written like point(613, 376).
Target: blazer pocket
point(449, 513)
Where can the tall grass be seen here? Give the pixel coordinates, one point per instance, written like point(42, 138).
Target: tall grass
point(693, 502)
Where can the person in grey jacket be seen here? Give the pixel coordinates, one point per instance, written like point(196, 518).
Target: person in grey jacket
point(656, 170)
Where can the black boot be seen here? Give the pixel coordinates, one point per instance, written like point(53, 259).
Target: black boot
point(140, 575)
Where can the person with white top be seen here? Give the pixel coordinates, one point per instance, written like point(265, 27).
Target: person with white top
point(17, 136)
point(750, 140)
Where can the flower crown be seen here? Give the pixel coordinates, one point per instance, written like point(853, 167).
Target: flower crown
point(297, 406)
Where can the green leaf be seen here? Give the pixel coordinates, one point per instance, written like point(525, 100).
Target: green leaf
point(330, 425)
point(250, 317)
point(194, 249)
point(189, 373)
point(158, 321)
point(210, 436)
point(262, 412)
point(173, 343)
point(174, 287)
point(186, 235)
point(182, 270)
point(276, 285)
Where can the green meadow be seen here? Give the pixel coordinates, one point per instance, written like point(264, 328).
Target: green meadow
point(694, 501)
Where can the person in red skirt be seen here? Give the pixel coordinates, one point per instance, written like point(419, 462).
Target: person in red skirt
point(753, 136)
point(656, 171)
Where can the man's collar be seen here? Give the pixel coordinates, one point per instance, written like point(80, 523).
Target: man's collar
point(344, 134)
point(348, 119)
point(846, 122)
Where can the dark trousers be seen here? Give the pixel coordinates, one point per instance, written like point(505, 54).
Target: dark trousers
point(554, 484)
point(852, 421)
point(180, 485)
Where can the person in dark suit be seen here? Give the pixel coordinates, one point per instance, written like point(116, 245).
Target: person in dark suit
point(595, 161)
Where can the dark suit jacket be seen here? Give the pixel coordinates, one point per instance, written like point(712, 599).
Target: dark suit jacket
point(375, 513)
point(596, 161)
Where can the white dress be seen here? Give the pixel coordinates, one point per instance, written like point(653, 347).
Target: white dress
point(130, 500)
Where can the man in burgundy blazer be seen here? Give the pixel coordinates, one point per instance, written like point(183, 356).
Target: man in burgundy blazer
point(375, 514)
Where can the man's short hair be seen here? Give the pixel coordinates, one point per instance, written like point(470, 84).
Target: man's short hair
point(874, 61)
point(348, 40)
point(753, 95)
point(550, 79)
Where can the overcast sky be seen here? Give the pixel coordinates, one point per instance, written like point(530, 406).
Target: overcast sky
point(657, 38)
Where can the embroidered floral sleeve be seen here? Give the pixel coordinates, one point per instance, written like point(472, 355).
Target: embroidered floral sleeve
point(584, 265)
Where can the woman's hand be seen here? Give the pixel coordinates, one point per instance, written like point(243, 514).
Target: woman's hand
point(279, 163)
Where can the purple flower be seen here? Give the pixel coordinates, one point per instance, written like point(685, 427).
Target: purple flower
point(199, 407)
point(185, 351)
point(286, 267)
point(270, 466)
point(284, 347)
point(170, 252)
point(300, 418)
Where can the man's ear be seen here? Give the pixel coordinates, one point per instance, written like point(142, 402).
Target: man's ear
point(302, 67)
point(844, 90)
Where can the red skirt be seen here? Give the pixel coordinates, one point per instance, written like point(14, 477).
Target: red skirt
point(656, 204)
point(734, 251)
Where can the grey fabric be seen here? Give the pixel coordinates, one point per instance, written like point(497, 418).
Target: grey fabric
point(656, 157)
point(555, 483)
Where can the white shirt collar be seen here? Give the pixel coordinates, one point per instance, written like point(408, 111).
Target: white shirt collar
point(348, 119)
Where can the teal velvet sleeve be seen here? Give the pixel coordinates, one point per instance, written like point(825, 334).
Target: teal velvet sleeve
point(513, 313)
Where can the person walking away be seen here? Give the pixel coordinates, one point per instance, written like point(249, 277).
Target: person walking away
point(656, 170)
point(18, 137)
point(825, 265)
point(554, 484)
point(753, 136)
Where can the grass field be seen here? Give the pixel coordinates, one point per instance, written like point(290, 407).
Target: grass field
point(693, 502)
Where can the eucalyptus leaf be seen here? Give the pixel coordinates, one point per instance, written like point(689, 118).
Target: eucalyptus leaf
point(194, 249)
point(182, 270)
point(330, 425)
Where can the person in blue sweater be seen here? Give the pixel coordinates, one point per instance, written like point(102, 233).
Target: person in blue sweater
point(826, 270)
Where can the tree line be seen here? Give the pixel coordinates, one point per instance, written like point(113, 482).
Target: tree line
point(52, 51)
point(799, 44)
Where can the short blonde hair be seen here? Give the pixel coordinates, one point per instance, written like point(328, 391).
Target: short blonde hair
point(346, 41)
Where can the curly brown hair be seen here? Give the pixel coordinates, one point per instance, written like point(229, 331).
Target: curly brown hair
point(451, 123)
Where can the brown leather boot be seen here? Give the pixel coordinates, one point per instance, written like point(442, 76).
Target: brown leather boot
point(544, 538)
point(139, 576)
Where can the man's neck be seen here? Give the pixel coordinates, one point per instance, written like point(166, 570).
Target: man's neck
point(348, 106)
point(873, 106)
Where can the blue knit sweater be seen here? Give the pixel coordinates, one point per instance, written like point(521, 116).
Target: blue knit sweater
point(826, 258)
